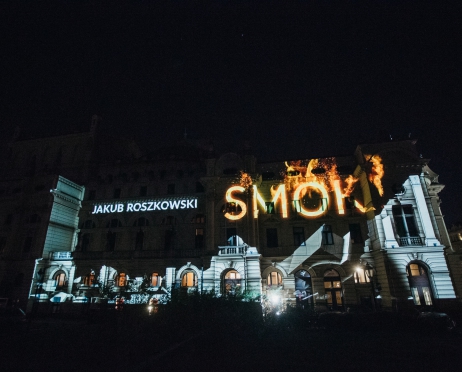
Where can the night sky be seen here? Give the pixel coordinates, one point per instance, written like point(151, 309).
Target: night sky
point(295, 79)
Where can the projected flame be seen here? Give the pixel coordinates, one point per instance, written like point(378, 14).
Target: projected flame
point(377, 172)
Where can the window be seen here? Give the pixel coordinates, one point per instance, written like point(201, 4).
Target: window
point(85, 242)
point(143, 190)
point(169, 220)
point(419, 284)
point(299, 236)
point(199, 239)
point(271, 237)
point(232, 208)
point(232, 282)
point(231, 236)
point(114, 223)
point(189, 279)
point(169, 239)
point(139, 240)
point(27, 244)
point(269, 206)
point(155, 280)
point(327, 236)
point(355, 233)
point(198, 218)
point(89, 280)
point(333, 290)
point(111, 241)
point(60, 278)
point(120, 280)
point(274, 279)
point(406, 228)
point(171, 189)
point(89, 224)
point(141, 222)
point(361, 276)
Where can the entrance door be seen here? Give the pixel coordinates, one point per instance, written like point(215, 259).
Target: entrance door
point(333, 290)
point(420, 285)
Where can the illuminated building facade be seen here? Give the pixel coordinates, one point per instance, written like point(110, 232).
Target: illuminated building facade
point(90, 217)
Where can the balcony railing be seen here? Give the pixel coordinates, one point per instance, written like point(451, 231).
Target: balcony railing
point(62, 256)
point(232, 251)
point(410, 241)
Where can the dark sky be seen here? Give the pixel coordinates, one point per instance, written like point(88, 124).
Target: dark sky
point(295, 79)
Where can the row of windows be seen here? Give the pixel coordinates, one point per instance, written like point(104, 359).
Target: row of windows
point(142, 221)
point(299, 235)
point(169, 236)
point(143, 191)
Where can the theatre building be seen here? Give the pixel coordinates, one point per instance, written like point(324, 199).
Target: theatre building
point(86, 217)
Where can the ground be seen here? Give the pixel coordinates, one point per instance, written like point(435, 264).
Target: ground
point(108, 340)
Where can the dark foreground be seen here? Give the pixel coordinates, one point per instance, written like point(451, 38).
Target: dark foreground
point(228, 339)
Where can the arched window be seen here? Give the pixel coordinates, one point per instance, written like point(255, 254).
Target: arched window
point(231, 282)
point(60, 278)
point(155, 280)
point(89, 224)
point(274, 279)
point(189, 279)
point(333, 290)
point(120, 280)
point(419, 284)
point(114, 223)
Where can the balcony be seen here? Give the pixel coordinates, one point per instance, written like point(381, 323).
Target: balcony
point(410, 241)
point(233, 251)
point(57, 256)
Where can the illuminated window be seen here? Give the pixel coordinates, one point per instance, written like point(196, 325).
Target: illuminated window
point(419, 284)
point(355, 233)
point(60, 278)
point(232, 281)
point(271, 237)
point(189, 279)
point(155, 280)
point(361, 275)
point(327, 236)
point(199, 239)
point(274, 278)
point(120, 280)
point(299, 236)
point(333, 290)
point(89, 280)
